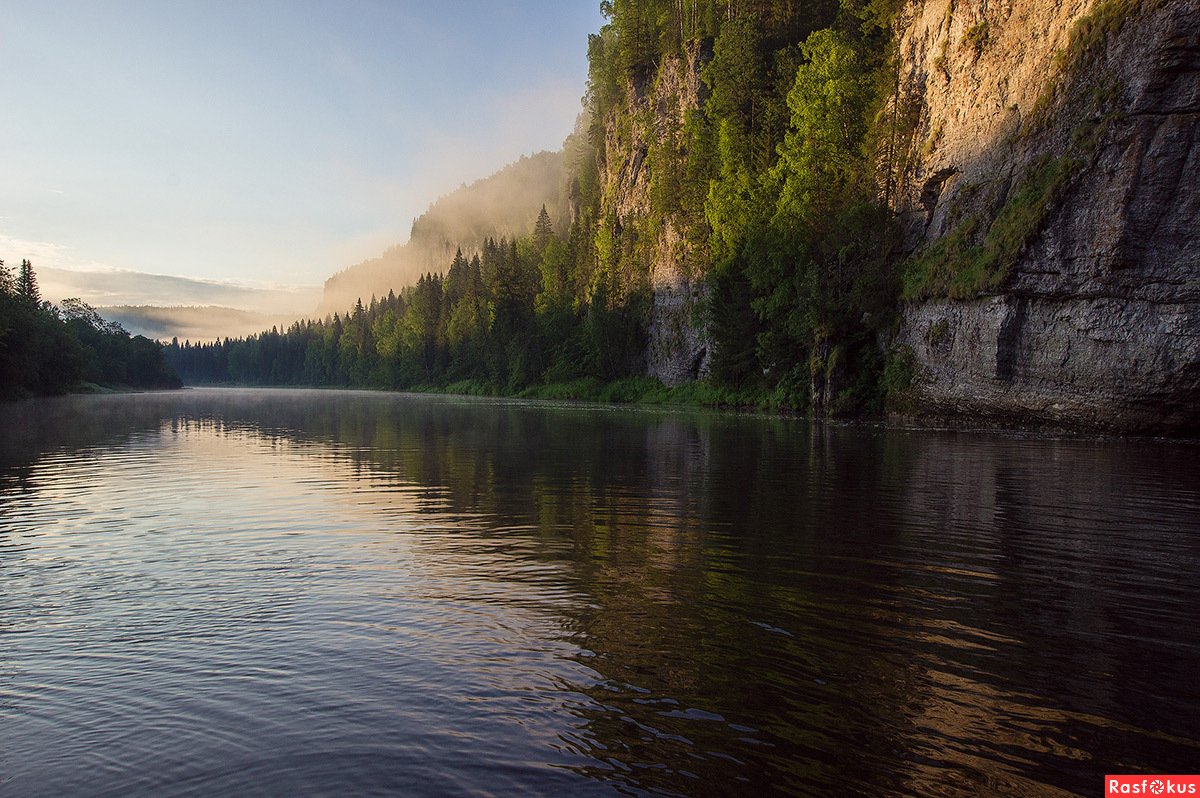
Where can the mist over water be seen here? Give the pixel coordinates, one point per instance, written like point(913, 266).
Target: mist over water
point(328, 592)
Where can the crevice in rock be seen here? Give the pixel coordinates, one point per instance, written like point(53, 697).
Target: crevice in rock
point(931, 192)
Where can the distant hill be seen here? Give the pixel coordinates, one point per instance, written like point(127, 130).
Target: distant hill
point(505, 204)
point(196, 323)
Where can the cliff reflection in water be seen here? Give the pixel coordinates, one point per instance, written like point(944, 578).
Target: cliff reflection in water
point(762, 605)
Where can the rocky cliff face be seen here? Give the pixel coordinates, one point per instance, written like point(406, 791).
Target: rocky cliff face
point(677, 350)
point(1068, 132)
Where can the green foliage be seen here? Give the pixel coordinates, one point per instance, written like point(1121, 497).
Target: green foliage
point(501, 322)
point(647, 391)
point(543, 231)
point(628, 390)
point(734, 328)
point(800, 242)
point(1022, 217)
point(468, 388)
point(976, 37)
point(1085, 39)
point(873, 16)
point(830, 101)
point(582, 388)
point(736, 76)
point(865, 388)
point(959, 265)
point(45, 350)
point(792, 391)
point(900, 378)
point(605, 85)
point(940, 269)
point(698, 168)
point(27, 287)
point(636, 26)
point(735, 199)
point(1091, 30)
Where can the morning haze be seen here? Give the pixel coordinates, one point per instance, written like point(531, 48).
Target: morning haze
point(238, 155)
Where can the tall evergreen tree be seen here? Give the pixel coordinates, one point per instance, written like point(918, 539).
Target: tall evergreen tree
point(543, 230)
point(27, 286)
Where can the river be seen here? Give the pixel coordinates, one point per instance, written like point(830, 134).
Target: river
point(229, 592)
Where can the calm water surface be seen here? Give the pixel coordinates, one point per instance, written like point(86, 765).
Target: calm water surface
point(221, 592)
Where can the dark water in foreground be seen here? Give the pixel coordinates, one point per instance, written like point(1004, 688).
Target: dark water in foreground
point(298, 593)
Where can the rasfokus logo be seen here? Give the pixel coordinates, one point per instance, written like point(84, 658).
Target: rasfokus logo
point(1152, 785)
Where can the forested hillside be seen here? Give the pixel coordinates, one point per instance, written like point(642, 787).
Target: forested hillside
point(500, 321)
point(50, 350)
point(765, 188)
point(501, 205)
point(840, 207)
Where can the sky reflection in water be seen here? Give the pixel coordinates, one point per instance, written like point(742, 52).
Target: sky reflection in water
point(286, 592)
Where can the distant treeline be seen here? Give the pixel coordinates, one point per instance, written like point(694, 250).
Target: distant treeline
point(51, 350)
point(504, 319)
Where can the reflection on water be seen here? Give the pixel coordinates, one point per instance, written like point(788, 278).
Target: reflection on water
point(221, 592)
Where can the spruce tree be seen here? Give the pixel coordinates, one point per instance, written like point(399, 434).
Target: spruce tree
point(27, 283)
point(543, 230)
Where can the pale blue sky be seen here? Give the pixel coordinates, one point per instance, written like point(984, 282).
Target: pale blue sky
point(265, 142)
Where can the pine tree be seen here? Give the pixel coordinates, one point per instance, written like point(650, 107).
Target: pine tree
point(27, 283)
point(543, 231)
point(7, 285)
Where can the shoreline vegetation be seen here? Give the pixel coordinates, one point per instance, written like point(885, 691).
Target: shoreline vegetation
point(642, 391)
point(48, 350)
point(648, 394)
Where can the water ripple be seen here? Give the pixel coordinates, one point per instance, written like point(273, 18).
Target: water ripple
point(280, 593)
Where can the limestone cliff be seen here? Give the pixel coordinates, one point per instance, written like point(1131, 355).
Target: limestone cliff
point(677, 351)
point(1057, 156)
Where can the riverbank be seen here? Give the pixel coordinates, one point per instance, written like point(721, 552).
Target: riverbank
point(649, 392)
point(627, 390)
point(87, 389)
point(624, 391)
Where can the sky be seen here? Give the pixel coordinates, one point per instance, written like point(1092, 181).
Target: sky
point(261, 144)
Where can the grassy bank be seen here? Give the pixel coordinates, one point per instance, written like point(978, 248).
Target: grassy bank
point(627, 390)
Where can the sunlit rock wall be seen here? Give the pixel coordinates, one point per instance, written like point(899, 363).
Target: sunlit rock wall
point(1098, 321)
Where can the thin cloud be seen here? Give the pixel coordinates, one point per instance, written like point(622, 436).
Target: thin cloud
point(138, 288)
point(61, 274)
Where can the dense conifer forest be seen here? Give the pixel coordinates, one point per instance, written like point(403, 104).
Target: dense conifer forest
point(778, 185)
point(501, 321)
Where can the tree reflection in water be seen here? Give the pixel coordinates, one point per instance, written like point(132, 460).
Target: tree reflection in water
point(762, 605)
